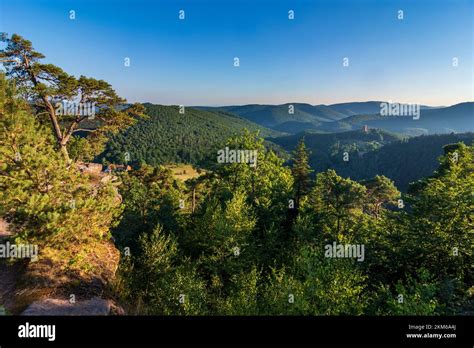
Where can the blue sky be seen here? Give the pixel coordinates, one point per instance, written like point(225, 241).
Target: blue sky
point(190, 61)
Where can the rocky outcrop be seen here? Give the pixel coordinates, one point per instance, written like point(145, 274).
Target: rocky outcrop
point(4, 230)
point(94, 306)
point(90, 168)
point(84, 269)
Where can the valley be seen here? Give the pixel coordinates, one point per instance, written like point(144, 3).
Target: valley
point(400, 147)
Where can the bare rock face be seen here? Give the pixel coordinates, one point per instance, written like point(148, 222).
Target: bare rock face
point(4, 231)
point(43, 287)
point(46, 285)
point(94, 306)
point(90, 168)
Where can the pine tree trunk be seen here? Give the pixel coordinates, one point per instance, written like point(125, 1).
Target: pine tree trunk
point(65, 154)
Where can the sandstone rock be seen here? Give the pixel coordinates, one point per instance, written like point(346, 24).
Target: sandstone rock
point(4, 231)
point(90, 168)
point(94, 306)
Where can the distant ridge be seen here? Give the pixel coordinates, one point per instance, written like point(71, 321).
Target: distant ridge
point(457, 118)
point(297, 117)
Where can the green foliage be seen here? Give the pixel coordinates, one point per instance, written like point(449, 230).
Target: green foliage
point(326, 149)
point(375, 153)
point(268, 185)
point(250, 258)
point(48, 85)
point(169, 136)
point(338, 204)
point(166, 285)
point(85, 149)
point(48, 201)
point(63, 214)
point(228, 241)
point(301, 171)
point(443, 215)
point(404, 161)
point(243, 297)
point(151, 196)
point(318, 285)
point(413, 298)
point(380, 192)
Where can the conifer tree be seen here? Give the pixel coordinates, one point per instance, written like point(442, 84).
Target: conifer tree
point(338, 203)
point(48, 202)
point(380, 191)
point(442, 217)
point(46, 86)
point(301, 172)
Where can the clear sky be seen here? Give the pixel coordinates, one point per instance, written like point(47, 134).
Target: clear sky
point(191, 61)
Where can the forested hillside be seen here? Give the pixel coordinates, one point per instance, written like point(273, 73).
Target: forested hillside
point(457, 118)
point(288, 118)
point(343, 141)
point(194, 137)
point(170, 136)
point(357, 108)
point(253, 241)
point(299, 117)
point(377, 152)
point(403, 161)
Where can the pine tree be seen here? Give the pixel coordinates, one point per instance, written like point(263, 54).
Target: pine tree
point(442, 217)
point(47, 85)
point(338, 203)
point(380, 191)
point(48, 202)
point(301, 172)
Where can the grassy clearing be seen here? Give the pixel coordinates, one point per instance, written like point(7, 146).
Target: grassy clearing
point(184, 171)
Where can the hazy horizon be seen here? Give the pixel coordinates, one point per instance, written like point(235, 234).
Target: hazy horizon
point(320, 104)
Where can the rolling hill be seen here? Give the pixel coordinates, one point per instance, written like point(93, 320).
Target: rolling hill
point(279, 117)
point(453, 119)
point(327, 149)
point(349, 116)
point(170, 137)
point(404, 161)
point(377, 152)
point(357, 108)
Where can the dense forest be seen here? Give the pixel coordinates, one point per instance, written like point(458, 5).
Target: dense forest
point(275, 238)
point(377, 152)
point(169, 135)
point(244, 248)
point(288, 117)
